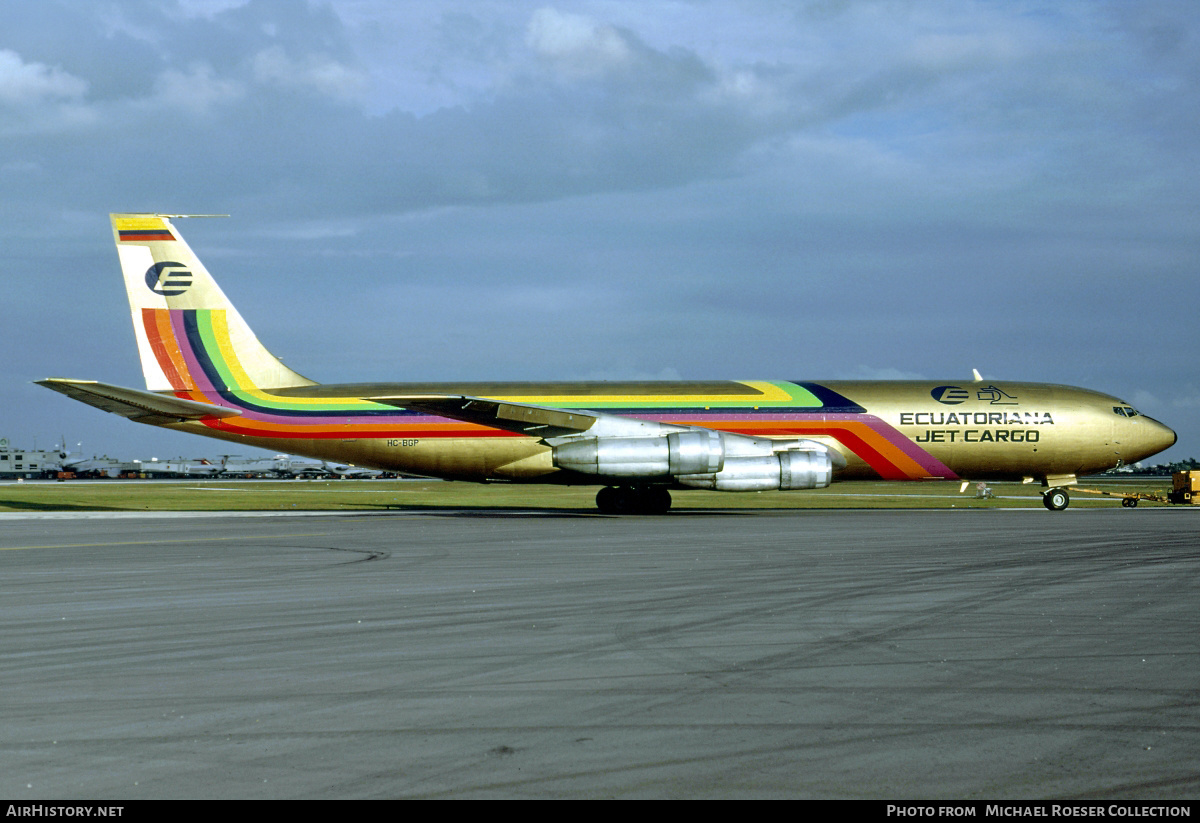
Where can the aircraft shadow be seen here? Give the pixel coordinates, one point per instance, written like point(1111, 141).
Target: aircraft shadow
point(534, 511)
point(28, 505)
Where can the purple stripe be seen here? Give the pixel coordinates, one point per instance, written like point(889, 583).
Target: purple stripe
point(336, 418)
point(199, 378)
point(933, 466)
point(924, 459)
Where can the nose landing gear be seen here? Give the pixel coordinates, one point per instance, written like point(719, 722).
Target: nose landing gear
point(1056, 499)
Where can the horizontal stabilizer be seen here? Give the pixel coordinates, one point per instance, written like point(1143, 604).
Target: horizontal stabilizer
point(142, 406)
point(535, 421)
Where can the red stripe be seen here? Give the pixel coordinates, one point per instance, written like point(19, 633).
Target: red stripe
point(143, 235)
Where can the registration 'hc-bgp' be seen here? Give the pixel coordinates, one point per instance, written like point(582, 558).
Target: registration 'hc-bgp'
point(207, 373)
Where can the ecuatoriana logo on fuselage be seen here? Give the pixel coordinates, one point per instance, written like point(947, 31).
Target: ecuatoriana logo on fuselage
point(168, 279)
point(953, 395)
point(950, 395)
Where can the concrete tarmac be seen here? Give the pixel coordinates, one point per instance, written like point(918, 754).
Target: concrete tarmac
point(1004, 654)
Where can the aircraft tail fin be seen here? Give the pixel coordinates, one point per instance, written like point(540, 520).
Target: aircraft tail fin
point(190, 337)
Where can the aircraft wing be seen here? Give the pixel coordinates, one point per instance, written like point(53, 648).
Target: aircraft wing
point(535, 421)
point(556, 427)
point(142, 406)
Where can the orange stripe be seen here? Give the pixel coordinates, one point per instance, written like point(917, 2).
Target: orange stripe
point(884, 457)
point(166, 348)
point(356, 430)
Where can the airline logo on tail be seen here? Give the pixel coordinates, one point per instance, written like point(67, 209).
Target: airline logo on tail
point(168, 278)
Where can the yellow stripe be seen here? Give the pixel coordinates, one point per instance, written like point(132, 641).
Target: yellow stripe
point(139, 223)
point(220, 328)
point(767, 393)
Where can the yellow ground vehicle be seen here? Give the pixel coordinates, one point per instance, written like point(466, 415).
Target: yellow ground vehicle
point(1185, 490)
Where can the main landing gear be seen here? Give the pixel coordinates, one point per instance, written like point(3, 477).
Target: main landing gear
point(1056, 499)
point(633, 500)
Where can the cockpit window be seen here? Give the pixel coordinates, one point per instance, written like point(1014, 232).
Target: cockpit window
point(1125, 411)
point(1118, 410)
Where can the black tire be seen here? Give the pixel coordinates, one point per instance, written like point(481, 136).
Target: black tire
point(633, 500)
point(654, 500)
point(610, 500)
point(1056, 499)
point(1129, 502)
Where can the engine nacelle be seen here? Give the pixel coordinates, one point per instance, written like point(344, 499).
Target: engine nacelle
point(796, 469)
point(696, 451)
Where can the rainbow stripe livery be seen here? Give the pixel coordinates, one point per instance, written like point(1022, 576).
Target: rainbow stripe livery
point(207, 373)
point(192, 347)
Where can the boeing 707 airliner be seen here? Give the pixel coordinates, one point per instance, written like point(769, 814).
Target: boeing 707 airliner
point(207, 373)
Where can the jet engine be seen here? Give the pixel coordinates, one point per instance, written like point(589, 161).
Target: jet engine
point(703, 459)
point(793, 469)
point(696, 451)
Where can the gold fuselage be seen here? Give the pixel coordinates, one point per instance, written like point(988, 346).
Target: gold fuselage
point(207, 372)
point(901, 430)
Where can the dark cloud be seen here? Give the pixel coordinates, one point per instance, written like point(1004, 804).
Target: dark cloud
point(523, 190)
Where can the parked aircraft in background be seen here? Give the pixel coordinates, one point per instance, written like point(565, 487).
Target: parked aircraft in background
point(179, 466)
point(282, 465)
point(348, 471)
point(96, 466)
point(277, 466)
point(207, 373)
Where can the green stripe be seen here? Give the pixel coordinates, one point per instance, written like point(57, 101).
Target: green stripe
point(213, 349)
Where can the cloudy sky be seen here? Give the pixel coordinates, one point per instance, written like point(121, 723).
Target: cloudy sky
point(474, 189)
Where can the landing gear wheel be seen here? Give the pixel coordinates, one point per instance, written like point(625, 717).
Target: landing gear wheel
point(1129, 502)
point(655, 500)
point(1056, 499)
point(633, 500)
point(610, 500)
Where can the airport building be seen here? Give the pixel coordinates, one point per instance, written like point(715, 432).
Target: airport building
point(28, 463)
point(31, 464)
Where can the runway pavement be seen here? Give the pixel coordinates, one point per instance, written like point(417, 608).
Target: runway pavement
point(850, 654)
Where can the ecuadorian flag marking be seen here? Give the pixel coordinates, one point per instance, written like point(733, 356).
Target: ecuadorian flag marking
point(143, 230)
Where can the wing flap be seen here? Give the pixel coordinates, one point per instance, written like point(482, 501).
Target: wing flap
point(142, 406)
point(535, 421)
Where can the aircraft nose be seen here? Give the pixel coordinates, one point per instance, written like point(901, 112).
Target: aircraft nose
point(1165, 437)
point(1153, 437)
